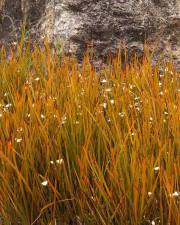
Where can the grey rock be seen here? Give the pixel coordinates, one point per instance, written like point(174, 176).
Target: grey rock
point(105, 24)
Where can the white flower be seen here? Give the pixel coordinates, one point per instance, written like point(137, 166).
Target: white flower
point(14, 43)
point(149, 193)
point(108, 90)
point(151, 119)
point(136, 98)
point(156, 168)
point(37, 79)
point(42, 116)
point(8, 105)
point(138, 109)
point(103, 81)
point(121, 114)
point(28, 115)
point(112, 101)
point(104, 105)
point(44, 183)
point(64, 118)
point(20, 129)
point(131, 86)
point(175, 194)
point(153, 222)
point(60, 161)
point(18, 140)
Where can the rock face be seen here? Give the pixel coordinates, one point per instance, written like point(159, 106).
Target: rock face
point(106, 23)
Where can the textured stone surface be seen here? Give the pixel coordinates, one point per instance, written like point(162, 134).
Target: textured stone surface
point(106, 23)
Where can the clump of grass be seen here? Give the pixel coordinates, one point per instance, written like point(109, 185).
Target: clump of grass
point(102, 145)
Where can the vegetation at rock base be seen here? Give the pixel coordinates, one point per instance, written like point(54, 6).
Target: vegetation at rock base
point(101, 145)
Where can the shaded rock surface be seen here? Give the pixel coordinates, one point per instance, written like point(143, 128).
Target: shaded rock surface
point(103, 24)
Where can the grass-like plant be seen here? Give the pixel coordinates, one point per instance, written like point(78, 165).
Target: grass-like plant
point(102, 145)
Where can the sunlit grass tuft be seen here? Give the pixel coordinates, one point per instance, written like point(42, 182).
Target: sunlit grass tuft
point(102, 144)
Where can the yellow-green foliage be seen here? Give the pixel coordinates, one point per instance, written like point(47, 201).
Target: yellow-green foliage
point(101, 145)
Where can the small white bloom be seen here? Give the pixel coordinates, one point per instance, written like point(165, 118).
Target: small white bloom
point(151, 119)
point(27, 82)
point(131, 86)
point(42, 116)
point(14, 43)
point(112, 101)
point(8, 105)
point(153, 222)
point(138, 109)
point(149, 193)
point(59, 161)
point(20, 129)
point(51, 162)
point(18, 140)
point(104, 105)
point(121, 114)
point(161, 93)
point(136, 98)
point(37, 79)
point(156, 168)
point(175, 194)
point(108, 90)
point(103, 81)
point(44, 183)
point(28, 115)
point(166, 113)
